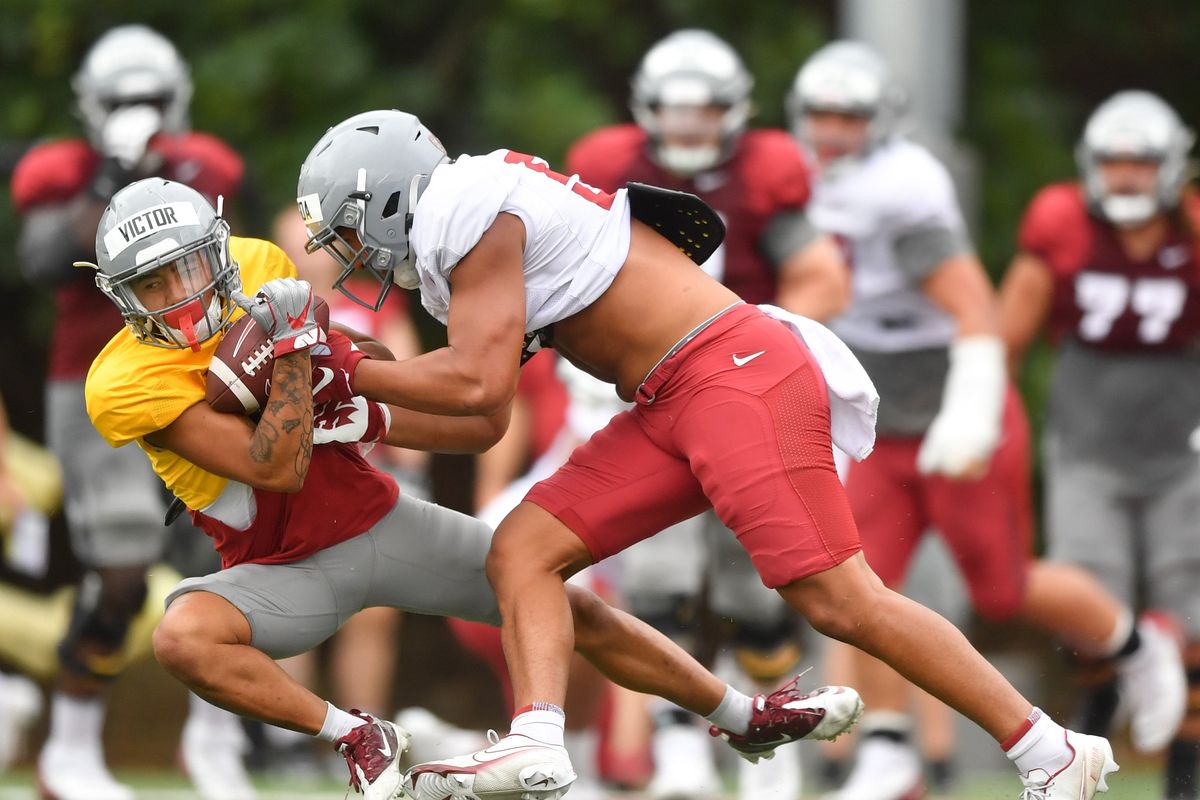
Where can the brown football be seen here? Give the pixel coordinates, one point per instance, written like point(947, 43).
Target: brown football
point(239, 375)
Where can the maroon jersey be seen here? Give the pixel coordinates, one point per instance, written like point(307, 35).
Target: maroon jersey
point(764, 175)
point(1102, 297)
point(55, 173)
point(343, 496)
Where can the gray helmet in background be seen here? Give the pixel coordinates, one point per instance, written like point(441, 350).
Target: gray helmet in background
point(691, 68)
point(366, 174)
point(160, 230)
point(1134, 125)
point(848, 77)
point(129, 65)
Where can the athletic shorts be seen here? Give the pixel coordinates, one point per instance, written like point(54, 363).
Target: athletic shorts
point(736, 419)
point(987, 524)
point(1137, 536)
point(421, 557)
point(114, 502)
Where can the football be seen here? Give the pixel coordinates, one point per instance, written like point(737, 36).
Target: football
point(239, 375)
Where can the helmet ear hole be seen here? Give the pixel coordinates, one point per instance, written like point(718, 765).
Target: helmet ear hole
point(392, 206)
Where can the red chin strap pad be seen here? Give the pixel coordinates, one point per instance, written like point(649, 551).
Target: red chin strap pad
point(184, 319)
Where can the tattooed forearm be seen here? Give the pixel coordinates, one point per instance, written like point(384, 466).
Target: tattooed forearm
point(284, 433)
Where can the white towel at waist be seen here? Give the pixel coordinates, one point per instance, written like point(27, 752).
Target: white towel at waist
point(853, 401)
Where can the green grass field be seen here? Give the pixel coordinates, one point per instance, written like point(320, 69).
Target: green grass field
point(153, 785)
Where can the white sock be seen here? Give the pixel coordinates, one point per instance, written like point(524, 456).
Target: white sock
point(734, 712)
point(1044, 746)
point(77, 721)
point(544, 722)
point(337, 723)
point(1120, 635)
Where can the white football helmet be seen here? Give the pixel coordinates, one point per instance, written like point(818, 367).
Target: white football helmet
point(847, 77)
point(689, 70)
point(1134, 125)
point(366, 174)
point(159, 226)
point(132, 65)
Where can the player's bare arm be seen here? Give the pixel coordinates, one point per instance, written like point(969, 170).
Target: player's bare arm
point(1025, 296)
point(438, 433)
point(960, 286)
point(476, 373)
point(273, 454)
point(814, 282)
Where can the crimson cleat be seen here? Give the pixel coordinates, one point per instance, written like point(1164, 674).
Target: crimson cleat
point(372, 753)
point(787, 715)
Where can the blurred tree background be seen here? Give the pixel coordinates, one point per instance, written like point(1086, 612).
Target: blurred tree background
point(270, 76)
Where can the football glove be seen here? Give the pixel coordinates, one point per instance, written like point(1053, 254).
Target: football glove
point(333, 373)
point(283, 308)
point(355, 420)
point(964, 434)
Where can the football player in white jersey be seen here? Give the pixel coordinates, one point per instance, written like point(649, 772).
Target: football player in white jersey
point(737, 407)
point(953, 446)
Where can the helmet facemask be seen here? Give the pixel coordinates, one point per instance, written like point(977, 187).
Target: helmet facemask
point(200, 272)
point(849, 79)
point(691, 95)
point(357, 193)
point(1133, 126)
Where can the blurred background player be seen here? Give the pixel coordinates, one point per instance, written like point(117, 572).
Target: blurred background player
point(691, 104)
point(133, 92)
point(1109, 267)
point(953, 445)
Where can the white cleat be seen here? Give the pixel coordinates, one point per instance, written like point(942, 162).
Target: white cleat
point(770, 779)
point(883, 770)
point(372, 754)
point(211, 757)
point(1154, 685)
point(513, 768)
point(20, 706)
point(788, 714)
point(684, 767)
point(66, 772)
point(1081, 779)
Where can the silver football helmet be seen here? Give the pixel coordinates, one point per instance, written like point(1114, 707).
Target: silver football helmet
point(366, 175)
point(686, 71)
point(162, 256)
point(1134, 125)
point(132, 65)
point(847, 77)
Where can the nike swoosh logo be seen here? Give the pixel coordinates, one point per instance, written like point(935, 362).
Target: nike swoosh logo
point(741, 362)
point(386, 750)
point(297, 321)
point(325, 380)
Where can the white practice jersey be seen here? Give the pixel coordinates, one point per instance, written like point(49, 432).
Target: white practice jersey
point(898, 189)
point(576, 237)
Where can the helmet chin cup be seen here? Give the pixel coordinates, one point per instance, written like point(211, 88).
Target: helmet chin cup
point(688, 161)
point(1129, 210)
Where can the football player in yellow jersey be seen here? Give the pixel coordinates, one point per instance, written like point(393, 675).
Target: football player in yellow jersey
point(297, 525)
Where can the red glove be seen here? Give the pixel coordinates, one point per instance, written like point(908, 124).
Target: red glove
point(333, 373)
point(355, 420)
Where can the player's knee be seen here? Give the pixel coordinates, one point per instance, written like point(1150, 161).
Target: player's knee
point(521, 551)
point(840, 601)
point(184, 641)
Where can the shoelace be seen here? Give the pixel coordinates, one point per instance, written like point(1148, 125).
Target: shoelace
point(1035, 793)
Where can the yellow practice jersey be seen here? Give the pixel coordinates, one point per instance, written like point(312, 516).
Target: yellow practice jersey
point(134, 389)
